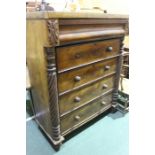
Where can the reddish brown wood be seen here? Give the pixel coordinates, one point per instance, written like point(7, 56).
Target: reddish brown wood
point(67, 80)
point(75, 55)
point(75, 118)
point(74, 61)
point(92, 21)
point(67, 101)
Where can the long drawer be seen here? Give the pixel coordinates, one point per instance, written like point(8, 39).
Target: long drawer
point(70, 121)
point(80, 54)
point(79, 76)
point(74, 99)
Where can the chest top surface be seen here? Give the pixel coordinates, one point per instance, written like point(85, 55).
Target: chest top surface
point(69, 15)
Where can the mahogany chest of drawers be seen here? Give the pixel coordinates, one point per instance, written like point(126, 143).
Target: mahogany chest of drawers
point(74, 61)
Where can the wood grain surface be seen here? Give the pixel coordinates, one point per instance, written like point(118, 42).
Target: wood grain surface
point(68, 101)
point(84, 65)
point(51, 14)
point(75, 55)
point(66, 80)
point(83, 113)
point(36, 38)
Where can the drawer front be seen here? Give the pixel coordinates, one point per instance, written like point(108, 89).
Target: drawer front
point(79, 76)
point(79, 97)
point(82, 114)
point(76, 55)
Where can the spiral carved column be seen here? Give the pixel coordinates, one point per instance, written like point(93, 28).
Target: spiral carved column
point(118, 72)
point(53, 97)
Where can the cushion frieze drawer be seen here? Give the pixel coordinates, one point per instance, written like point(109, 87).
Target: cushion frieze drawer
point(76, 55)
point(76, 117)
point(79, 97)
point(79, 76)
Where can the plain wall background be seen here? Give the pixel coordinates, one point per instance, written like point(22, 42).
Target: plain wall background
point(112, 6)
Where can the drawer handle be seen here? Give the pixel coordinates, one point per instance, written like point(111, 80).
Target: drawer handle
point(103, 103)
point(77, 118)
point(77, 99)
point(107, 67)
point(109, 49)
point(105, 86)
point(77, 78)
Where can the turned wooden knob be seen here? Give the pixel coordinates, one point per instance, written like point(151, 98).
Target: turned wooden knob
point(77, 99)
point(77, 78)
point(107, 67)
point(77, 118)
point(105, 86)
point(109, 49)
point(103, 103)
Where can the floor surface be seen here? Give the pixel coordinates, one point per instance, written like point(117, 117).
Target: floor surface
point(106, 136)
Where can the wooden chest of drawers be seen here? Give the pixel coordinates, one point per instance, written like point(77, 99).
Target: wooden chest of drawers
point(74, 61)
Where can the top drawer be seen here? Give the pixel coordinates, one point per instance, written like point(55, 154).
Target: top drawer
point(69, 57)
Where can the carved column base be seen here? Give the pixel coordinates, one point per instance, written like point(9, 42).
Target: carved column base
point(56, 132)
point(114, 102)
point(53, 141)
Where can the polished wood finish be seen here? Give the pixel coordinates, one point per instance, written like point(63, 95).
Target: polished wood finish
point(74, 61)
point(75, 55)
point(76, 117)
point(89, 29)
point(75, 15)
point(67, 80)
point(90, 35)
point(37, 70)
point(84, 94)
point(53, 93)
